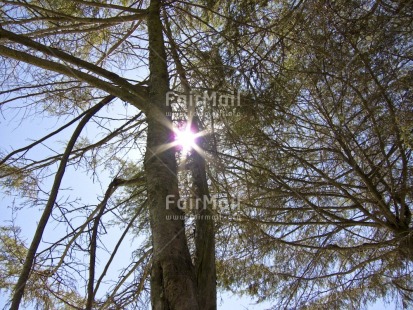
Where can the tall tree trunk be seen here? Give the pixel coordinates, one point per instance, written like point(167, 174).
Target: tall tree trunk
point(173, 284)
point(204, 233)
point(205, 269)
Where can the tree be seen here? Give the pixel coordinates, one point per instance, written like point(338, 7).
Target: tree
point(318, 152)
point(39, 286)
point(325, 164)
point(172, 279)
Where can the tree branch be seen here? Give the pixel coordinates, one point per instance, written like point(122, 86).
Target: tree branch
point(31, 253)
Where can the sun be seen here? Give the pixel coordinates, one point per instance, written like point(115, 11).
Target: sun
point(186, 139)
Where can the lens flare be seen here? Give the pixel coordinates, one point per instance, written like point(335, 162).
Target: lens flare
point(186, 139)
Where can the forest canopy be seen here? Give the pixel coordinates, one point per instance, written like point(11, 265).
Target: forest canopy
point(299, 117)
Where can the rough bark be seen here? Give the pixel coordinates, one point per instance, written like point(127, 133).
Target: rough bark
point(205, 269)
point(204, 233)
point(173, 284)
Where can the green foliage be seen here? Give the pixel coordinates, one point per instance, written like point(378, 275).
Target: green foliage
point(42, 290)
point(17, 180)
point(324, 161)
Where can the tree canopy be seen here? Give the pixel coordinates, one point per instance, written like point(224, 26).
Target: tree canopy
point(303, 120)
